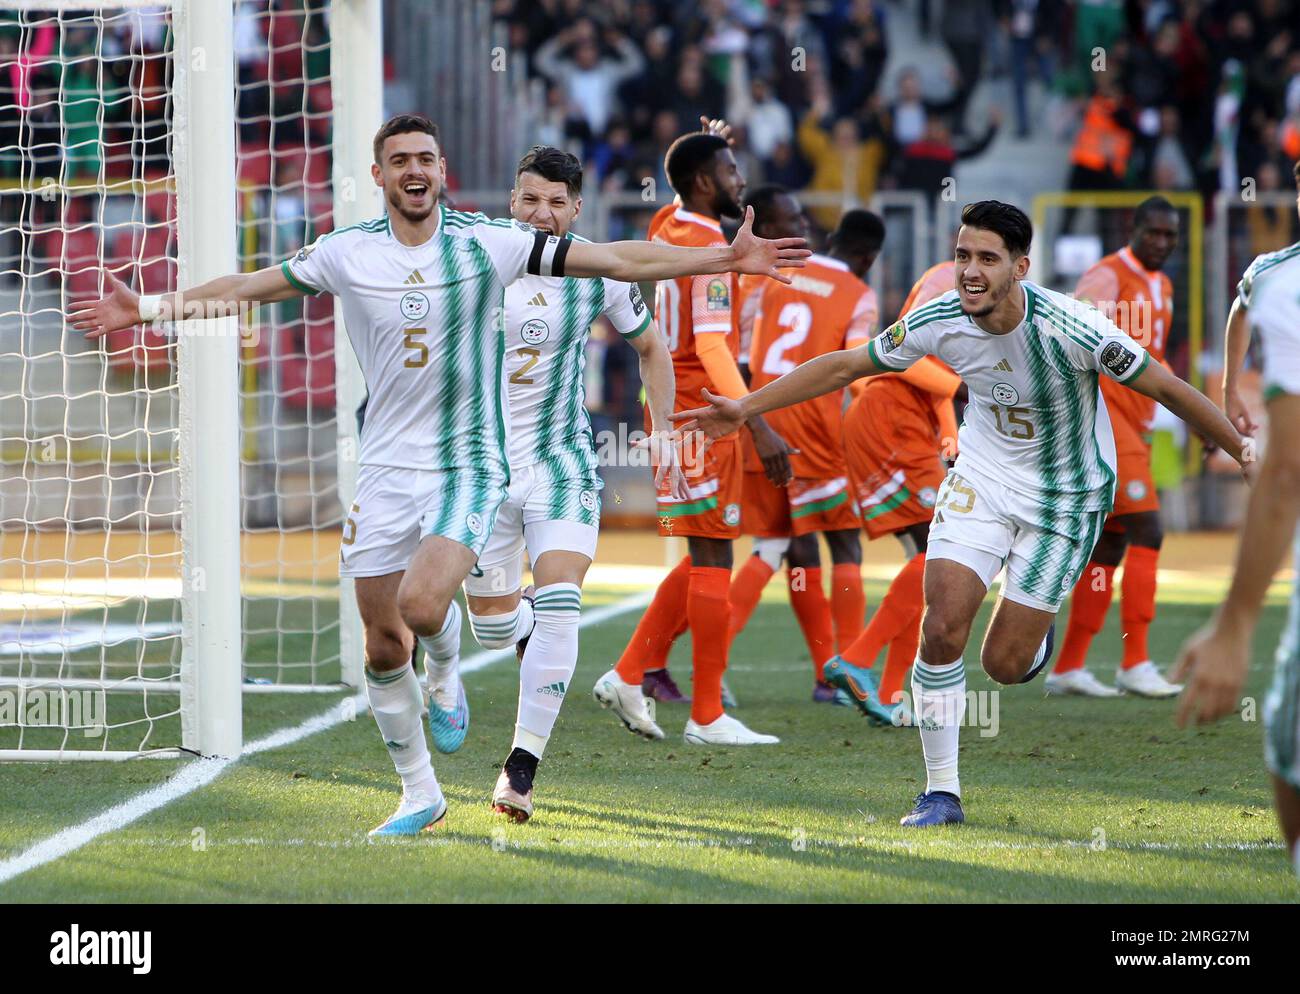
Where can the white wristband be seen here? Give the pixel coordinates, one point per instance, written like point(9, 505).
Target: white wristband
point(150, 306)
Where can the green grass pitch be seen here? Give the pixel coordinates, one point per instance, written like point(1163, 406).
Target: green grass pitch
point(1072, 800)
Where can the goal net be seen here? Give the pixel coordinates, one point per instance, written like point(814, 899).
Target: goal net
point(117, 562)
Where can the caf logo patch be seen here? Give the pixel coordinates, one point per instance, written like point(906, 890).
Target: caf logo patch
point(731, 514)
point(415, 305)
point(535, 331)
point(588, 499)
point(474, 522)
point(1006, 394)
point(1135, 489)
point(927, 496)
point(892, 337)
point(1116, 358)
point(717, 295)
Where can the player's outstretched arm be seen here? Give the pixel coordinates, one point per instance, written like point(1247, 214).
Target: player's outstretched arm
point(1236, 342)
point(634, 262)
point(1156, 382)
point(825, 374)
point(123, 307)
point(1215, 660)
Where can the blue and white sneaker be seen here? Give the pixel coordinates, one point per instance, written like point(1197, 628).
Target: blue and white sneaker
point(936, 807)
point(448, 727)
point(1043, 656)
point(417, 812)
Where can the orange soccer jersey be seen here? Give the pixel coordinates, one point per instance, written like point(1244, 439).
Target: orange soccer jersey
point(1141, 303)
point(688, 310)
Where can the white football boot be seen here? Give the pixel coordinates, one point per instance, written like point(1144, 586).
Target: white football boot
point(628, 703)
point(1080, 682)
point(725, 731)
point(420, 809)
point(1145, 680)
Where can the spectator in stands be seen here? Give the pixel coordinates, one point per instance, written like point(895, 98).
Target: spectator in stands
point(925, 164)
point(908, 113)
point(651, 90)
point(858, 56)
point(844, 161)
point(765, 118)
point(1099, 159)
point(1029, 27)
point(590, 79)
point(966, 29)
point(1170, 169)
point(697, 93)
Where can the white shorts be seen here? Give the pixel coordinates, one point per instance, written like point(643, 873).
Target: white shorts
point(543, 513)
point(396, 508)
point(985, 526)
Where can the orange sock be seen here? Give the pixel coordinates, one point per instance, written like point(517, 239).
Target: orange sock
point(1088, 606)
point(902, 652)
point(813, 611)
point(848, 603)
point(746, 589)
point(1137, 602)
point(706, 613)
point(900, 608)
point(648, 648)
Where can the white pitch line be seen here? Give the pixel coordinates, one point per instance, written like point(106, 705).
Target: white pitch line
point(202, 772)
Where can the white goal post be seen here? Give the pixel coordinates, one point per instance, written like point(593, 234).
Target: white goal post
point(169, 500)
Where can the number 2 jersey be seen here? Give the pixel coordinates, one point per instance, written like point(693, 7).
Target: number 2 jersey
point(824, 309)
point(1036, 420)
point(426, 324)
point(548, 321)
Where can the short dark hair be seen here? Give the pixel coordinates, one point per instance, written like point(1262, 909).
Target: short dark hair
point(761, 198)
point(554, 164)
point(1006, 220)
point(402, 124)
point(860, 232)
point(1152, 205)
point(687, 156)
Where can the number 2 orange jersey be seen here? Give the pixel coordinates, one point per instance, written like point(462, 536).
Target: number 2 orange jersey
point(1141, 302)
point(690, 306)
point(825, 309)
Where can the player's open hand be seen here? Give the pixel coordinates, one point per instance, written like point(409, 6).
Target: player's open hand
point(120, 309)
point(665, 449)
point(766, 256)
point(721, 417)
point(1213, 666)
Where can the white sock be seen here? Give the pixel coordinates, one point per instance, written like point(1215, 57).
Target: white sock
point(442, 658)
point(939, 703)
point(500, 631)
point(548, 665)
point(396, 700)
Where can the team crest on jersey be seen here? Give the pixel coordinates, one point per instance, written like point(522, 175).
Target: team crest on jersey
point(1135, 489)
point(1116, 358)
point(415, 305)
point(927, 496)
point(717, 295)
point(731, 515)
point(892, 337)
point(474, 522)
point(634, 295)
point(588, 499)
point(535, 331)
point(305, 251)
point(1005, 394)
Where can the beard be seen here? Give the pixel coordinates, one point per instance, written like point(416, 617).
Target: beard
point(726, 205)
point(992, 297)
point(412, 216)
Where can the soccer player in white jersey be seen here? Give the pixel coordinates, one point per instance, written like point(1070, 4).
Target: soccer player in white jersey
point(1215, 660)
point(553, 507)
point(1036, 475)
point(422, 289)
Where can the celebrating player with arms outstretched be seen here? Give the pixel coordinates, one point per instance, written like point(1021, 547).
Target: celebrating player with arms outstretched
point(1215, 660)
point(422, 291)
point(553, 506)
point(1035, 477)
point(1130, 284)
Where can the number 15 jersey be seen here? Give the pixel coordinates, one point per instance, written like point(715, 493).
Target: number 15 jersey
point(1036, 420)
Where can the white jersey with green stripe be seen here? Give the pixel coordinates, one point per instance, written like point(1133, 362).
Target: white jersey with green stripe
point(1035, 419)
point(426, 324)
point(1270, 291)
point(548, 323)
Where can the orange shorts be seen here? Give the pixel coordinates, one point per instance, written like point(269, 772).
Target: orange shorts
point(802, 507)
point(1135, 490)
point(712, 508)
point(891, 443)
